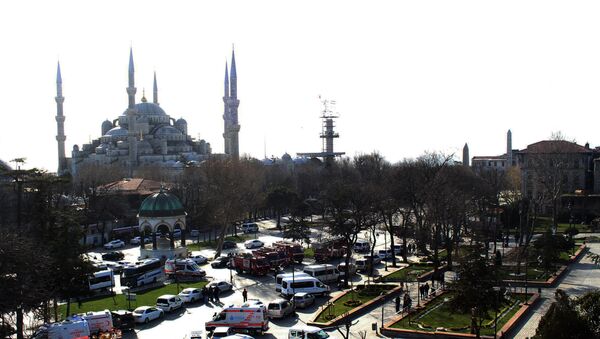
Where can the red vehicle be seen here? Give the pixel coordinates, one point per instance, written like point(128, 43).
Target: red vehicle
point(331, 249)
point(247, 263)
point(294, 251)
point(274, 257)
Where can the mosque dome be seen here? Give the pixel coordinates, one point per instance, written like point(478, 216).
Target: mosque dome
point(106, 126)
point(117, 131)
point(4, 166)
point(148, 108)
point(161, 204)
point(286, 157)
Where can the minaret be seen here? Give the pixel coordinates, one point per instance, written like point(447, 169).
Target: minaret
point(509, 155)
point(155, 99)
point(131, 117)
point(226, 112)
point(465, 158)
point(232, 127)
point(60, 124)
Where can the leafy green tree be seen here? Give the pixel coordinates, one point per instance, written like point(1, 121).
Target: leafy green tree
point(563, 321)
point(548, 248)
point(588, 306)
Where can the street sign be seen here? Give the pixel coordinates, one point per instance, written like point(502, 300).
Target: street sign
point(130, 296)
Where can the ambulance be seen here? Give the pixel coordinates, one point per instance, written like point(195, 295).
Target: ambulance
point(251, 318)
point(72, 329)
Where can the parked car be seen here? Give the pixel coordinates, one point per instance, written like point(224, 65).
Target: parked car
point(221, 284)
point(194, 233)
point(222, 332)
point(199, 259)
point(385, 254)
point(374, 259)
point(398, 250)
point(177, 233)
point(254, 243)
point(249, 227)
point(123, 320)
point(114, 244)
point(169, 302)
point(238, 336)
point(137, 240)
point(145, 314)
point(113, 256)
point(220, 262)
point(280, 308)
point(361, 246)
point(342, 268)
point(227, 244)
point(189, 295)
point(303, 299)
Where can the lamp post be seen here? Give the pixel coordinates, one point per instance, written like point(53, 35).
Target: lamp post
point(385, 248)
point(497, 295)
point(382, 308)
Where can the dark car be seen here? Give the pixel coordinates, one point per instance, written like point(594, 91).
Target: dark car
point(227, 244)
point(123, 320)
point(113, 256)
point(220, 262)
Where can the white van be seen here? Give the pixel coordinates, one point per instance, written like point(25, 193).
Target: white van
point(99, 321)
point(361, 246)
point(282, 276)
point(252, 318)
point(306, 332)
point(279, 308)
point(66, 329)
point(250, 227)
point(324, 272)
point(304, 284)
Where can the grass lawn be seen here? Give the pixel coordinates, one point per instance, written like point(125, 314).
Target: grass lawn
point(213, 244)
point(438, 314)
point(409, 273)
point(544, 222)
point(363, 295)
point(146, 298)
point(533, 273)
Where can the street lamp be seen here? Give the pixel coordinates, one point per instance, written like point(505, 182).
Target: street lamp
point(385, 248)
point(497, 295)
point(382, 308)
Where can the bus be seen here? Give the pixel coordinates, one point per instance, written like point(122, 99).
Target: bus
point(102, 280)
point(142, 273)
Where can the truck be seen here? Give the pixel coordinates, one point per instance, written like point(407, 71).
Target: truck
point(294, 251)
point(275, 258)
point(251, 318)
point(249, 263)
point(330, 249)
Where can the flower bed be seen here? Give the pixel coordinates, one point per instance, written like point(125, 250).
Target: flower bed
point(409, 273)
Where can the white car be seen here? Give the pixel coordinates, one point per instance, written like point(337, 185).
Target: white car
point(145, 314)
point(114, 244)
point(221, 284)
point(199, 259)
point(137, 240)
point(189, 295)
point(238, 336)
point(254, 243)
point(169, 302)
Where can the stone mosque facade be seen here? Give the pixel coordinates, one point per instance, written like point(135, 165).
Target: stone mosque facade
point(145, 135)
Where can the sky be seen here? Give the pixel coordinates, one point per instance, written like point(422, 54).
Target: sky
point(408, 76)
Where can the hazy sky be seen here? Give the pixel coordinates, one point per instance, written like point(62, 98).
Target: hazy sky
point(408, 76)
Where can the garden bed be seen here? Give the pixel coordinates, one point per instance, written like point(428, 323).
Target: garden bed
point(353, 302)
point(437, 319)
point(119, 302)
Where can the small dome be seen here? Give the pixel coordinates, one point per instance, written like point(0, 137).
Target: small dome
point(148, 108)
point(181, 121)
point(161, 204)
point(117, 131)
point(107, 124)
point(286, 157)
point(4, 166)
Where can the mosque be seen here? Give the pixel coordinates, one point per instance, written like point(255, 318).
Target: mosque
point(145, 135)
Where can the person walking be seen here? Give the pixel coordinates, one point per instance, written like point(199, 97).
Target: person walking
point(245, 295)
point(204, 293)
point(397, 303)
point(216, 294)
point(209, 291)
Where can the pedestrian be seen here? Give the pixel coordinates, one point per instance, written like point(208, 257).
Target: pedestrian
point(245, 295)
point(426, 289)
point(397, 303)
point(405, 302)
point(216, 294)
point(204, 293)
point(209, 291)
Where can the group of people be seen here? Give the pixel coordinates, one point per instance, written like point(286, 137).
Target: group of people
point(211, 294)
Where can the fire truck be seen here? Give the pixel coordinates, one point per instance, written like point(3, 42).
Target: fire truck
point(248, 263)
point(330, 249)
point(294, 251)
point(275, 258)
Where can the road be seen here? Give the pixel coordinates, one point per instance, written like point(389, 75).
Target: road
point(179, 323)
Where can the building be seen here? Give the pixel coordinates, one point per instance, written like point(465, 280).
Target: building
point(144, 135)
point(499, 163)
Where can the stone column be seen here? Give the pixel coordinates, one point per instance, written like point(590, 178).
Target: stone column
point(171, 240)
point(154, 241)
point(182, 238)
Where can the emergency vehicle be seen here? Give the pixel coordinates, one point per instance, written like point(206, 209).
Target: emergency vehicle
point(248, 263)
point(251, 318)
point(75, 329)
point(183, 268)
point(292, 250)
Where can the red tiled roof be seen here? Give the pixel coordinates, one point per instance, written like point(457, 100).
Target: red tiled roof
point(555, 146)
